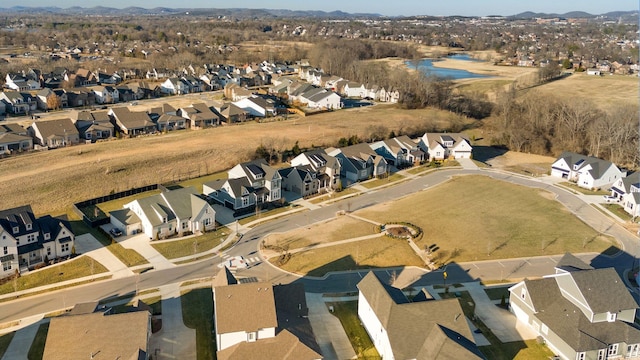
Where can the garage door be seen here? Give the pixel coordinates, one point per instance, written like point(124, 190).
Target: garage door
point(520, 314)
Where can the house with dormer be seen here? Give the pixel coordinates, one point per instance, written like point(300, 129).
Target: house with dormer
point(131, 123)
point(18, 103)
point(440, 146)
point(582, 313)
point(586, 171)
point(400, 151)
point(93, 126)
point(300, 180)
point(627, 191)
point(327, 168)
point(421, 329)
point(358, 162)
point(27, 241)
point(174, 86)
point(258, 320)
point(55, 133)
point(171, 212)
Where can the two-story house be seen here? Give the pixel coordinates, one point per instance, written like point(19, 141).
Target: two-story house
point(440, 146)
point(586, 171)
point(358, 162)
point(18, 103)
point(27, 241)
point(400, 151)
point(582, 313)
point(627, 191)
point(327, 167)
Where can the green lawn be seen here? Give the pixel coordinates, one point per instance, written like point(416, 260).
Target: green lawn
point(334, 196)
point(577, 188)
point(618, 210)
point(496, 292)
point(37, 347)
point(5, 340)
point(128, 257)
point(197, 244)
point(478, 218)
point(380, 182)
point(68, 270)
point(365, 254)
point(347, 312)
point(197, 313)
point(264, 213)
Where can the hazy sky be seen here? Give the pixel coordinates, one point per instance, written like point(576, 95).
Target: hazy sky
point(384, 7)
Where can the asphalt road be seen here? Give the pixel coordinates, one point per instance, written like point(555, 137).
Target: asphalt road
point(342, 282)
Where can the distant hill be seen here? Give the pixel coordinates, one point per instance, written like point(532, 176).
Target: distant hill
point(575, 14)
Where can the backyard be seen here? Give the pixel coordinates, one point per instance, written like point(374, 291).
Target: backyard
point(347, 312)
point(197, 313)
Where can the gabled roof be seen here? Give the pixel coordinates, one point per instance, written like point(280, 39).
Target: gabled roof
point(604, 290)
point(359, 151)
point(434, 139)
point(58, 127)
point(13, 128)
point(284, 346)
point(569, 262)
point(598, 166)
point(244, 307)
point(167, 118)
point(224, 278)
point(132, 120)
point(420, 330)
point(11, 138)
point(119, 336)
point(631, 180)
point(20, 217)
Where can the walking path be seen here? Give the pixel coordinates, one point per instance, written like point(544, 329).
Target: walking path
point(142, 245)
point(174, 340)
point(333, 341)
point(21, 343)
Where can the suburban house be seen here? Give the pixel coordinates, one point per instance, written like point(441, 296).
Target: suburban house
point(440, 146)
point(20, 82)
point(93, 126)
point(131, 123)
point(82, 77)
point(106, 94)
point(257, 106)
point(231, 113)
point(171, 122)
point(327, 167)
point(248, 185)
point(354, 89)
point(55, 133)
point(49, 99)
point(27, 241)
point(390, 96)
point(586, 171)
point(322, 100)
point(627, 191)
point(99, 335)
point(359, 162)
point(300, 180)
point(422, 329)
point(198, 116)
point(171, 212)
point(174, 86)
point(400, 151)
point(14, 137)
point(80, 97)
point(18, 102)
point(257, 320)
point(581, 313)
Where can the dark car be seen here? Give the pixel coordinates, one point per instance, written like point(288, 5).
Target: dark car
point(115, 232)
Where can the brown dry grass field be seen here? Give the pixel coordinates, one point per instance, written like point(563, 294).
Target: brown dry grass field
point(52, 180)
point(372, 253)
point(480, 218)
point(336, 229)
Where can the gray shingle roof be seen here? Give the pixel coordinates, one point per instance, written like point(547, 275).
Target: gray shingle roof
point(604, 290)
point(598, 166)
point(571, 263)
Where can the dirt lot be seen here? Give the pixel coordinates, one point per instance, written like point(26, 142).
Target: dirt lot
point(52, 180)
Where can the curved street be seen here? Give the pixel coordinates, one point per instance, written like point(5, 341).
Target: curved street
point(249, 244)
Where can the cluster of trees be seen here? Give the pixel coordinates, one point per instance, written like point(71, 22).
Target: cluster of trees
point(548, 125)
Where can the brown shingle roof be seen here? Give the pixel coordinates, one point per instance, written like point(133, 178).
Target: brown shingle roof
point(244, 307)
point(285, 346)
point(119, 336)
point(58, 127)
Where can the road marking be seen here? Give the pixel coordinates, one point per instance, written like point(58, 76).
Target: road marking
point(554, 260)
point(254, 259)
point(477, 267)
point(527, 261)
point(501, 264)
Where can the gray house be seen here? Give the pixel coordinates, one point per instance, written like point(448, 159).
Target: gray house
point(300, 180)
point(359, 162)
point(581, 312)
point(327, 167)
point(236, 194)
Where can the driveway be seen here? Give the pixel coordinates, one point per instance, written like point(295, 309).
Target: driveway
point(142, 245)
point(333, 341)
point(88, 245)
point(174, 340)
point(467, 164)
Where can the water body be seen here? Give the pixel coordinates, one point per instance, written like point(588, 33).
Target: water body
point(426, 66)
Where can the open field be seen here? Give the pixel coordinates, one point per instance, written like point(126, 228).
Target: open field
point(477, 218)
point(619, 89)
point(339, 228)
point(52, 180)
point(366, 254)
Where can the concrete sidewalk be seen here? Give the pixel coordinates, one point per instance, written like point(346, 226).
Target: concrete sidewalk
point(88, 245)
point(333, 341)
point(21, 343)
point(174, 340)
point(142, 245)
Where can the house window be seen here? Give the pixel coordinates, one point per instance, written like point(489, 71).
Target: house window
point(581, 356)
point(16, 229)
point(47, 236)
point(206, 222)
point(6, 250)
point(33, 255)
point(523, 293)
point(633, 350)
point(251, 336)
point(602, 354)
point(65, 247)
point(611, 317)
point(245, 201)
point(613, 350)
point(88, 135)
point(185, 225)
point(6, 266)
point(31, 238)
point(28, 226)
point(48, 251)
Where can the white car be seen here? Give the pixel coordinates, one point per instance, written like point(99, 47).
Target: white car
point(609, 198)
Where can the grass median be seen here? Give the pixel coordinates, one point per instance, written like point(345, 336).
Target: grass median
point(193, 245)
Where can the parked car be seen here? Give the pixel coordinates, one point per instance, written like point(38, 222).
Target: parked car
point(115, 232)
point(609, 198)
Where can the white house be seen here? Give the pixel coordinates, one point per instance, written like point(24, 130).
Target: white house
point(581, 313)
point(440, 146)
point(586, 171)
point(399, 151)
point(421, 329)
point(324, 100)
point(168, 213)
point(354, 89)
point(257, 106)
point(627, 191)
point(174, 86)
